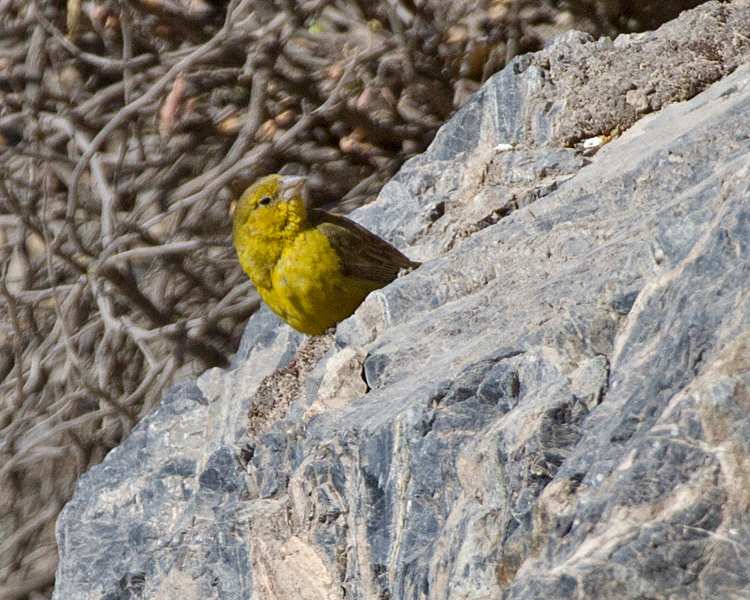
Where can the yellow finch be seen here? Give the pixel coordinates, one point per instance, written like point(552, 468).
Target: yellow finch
point(311, 268)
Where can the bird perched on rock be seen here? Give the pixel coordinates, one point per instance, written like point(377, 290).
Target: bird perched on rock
point(311, 268)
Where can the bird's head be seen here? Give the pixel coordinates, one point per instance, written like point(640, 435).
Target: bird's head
point(271, 205)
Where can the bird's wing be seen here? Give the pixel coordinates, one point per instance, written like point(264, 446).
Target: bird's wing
point(362, 253)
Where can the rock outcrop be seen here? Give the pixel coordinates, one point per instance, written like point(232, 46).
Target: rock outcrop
point(555, 405)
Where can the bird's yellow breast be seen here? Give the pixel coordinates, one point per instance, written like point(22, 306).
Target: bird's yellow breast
point(297, 272)
point(308, 289)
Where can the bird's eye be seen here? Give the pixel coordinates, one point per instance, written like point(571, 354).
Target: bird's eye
point(264, 201)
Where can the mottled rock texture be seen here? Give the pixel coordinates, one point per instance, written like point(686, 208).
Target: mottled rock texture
point(555, 405)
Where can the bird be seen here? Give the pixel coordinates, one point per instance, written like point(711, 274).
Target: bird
point(312, 268)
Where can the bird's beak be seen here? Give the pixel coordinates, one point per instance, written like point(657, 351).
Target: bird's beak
point(291, 186)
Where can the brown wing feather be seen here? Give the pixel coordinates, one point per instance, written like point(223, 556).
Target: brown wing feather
point(362, 253)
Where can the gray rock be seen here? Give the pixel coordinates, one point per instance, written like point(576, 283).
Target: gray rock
point(557, 402)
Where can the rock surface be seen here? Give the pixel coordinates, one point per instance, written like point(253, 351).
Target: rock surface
point(556, 402)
